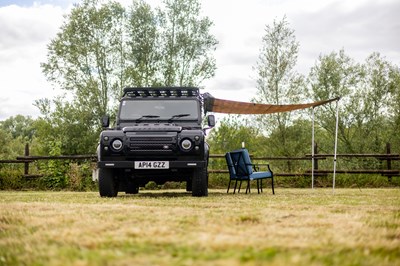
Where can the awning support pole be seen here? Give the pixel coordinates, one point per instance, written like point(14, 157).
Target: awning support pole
point(336, 141)
point(312, 150)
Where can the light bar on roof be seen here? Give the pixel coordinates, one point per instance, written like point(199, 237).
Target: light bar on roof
point(162, 92)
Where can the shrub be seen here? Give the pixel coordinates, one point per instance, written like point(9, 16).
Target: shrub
point(11, 179)
point(79, 176)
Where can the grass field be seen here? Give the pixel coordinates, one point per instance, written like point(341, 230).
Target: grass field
point(293, 227)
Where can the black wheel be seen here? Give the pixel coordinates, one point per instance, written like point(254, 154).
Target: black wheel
point(108, 185)
point(132, 188)
point(189, 184)
point(200, 183)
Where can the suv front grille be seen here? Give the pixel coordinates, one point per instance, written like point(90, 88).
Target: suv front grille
point(162, 144)
point(151, 139)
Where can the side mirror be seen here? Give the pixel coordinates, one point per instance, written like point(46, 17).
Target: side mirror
point(105, 121)
point(211, 121)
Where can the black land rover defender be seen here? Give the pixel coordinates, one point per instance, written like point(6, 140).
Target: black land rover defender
point(158, 137)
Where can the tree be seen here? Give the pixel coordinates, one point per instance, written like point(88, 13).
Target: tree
point(394, 106)
point(382, 91)
point(188, 45)
point(376, 86)
point(19, 126)
point(6, 151)
point(229, 135)
point(366, 106)
point(66, 125)
point(143, 55)
point(277, 81)
point(85, 57)
point(231, 132)
point(337, 75)
point(102, 47)
point(15, 132)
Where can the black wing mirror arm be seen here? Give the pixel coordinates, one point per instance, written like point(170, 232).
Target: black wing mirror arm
point(210, 122)
point(105, 121)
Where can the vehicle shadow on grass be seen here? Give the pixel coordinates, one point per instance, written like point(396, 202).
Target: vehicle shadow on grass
point(165, 194)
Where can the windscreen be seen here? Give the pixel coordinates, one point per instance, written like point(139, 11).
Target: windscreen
point(159, 109)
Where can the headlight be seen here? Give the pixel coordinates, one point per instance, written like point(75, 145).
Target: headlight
point(186, 145)
point(117, 145)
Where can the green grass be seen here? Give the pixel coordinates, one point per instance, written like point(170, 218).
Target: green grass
point(169, 227)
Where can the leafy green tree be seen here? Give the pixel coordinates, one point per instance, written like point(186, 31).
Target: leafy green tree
point(143, 55)
point(15, 132)
point(394, 106)
point(277, 80)
point(298, 144)
point(66, 126)
point(85, 57)
point(231, 132)
point(229, 135)
point(188, 45)
point(103, 47)
point(376, 98)
point(367, 108)
point(382, 86)
point(19, 126)
point(5, 140)
point(337, 75)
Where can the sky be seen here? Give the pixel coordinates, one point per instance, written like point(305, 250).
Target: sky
point(360, 27)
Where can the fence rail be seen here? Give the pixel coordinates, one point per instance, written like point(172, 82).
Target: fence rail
point(60, 157)
point(388, 157)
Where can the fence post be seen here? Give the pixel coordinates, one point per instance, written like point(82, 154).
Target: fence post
point(388, 161)
point(26, 170)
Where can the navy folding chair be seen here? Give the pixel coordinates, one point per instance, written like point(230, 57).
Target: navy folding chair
point(245, 170)
point(232, 173)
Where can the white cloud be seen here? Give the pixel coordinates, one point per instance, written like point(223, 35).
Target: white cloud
point(24, 34)
point(321, 27)
point(359, 27)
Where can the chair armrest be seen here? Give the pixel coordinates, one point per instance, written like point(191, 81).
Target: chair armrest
point(256, 168)
point(269, 169)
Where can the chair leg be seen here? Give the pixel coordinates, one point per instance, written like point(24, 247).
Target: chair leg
point(235, 186)
point(240, 186)
point(248, 186)
point(229, 185)
point(273, 191)
point(258, 186)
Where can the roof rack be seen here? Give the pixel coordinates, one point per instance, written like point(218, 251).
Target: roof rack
point(161, 92)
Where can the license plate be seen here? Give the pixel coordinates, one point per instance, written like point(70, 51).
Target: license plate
point(152, 165)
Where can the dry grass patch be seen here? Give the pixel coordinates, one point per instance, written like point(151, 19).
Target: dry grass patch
point(295, 226)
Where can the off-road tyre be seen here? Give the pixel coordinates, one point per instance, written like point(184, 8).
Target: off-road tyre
point(132, 188)
point(108, 185)
point(189, 185)
point(200, 183)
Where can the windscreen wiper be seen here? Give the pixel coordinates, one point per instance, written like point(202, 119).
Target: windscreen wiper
point(146, 116)
point(177, 116)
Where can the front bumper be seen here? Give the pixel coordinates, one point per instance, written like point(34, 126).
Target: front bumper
point(131, 164)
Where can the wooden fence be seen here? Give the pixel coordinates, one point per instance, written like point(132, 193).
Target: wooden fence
point(387, 157)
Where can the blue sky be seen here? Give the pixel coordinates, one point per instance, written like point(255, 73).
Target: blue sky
point(10, 2)
point(27, 3)
point(360, 27)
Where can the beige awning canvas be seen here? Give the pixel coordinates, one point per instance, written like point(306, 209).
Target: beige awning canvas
point(216, 105)
point(212, 104)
